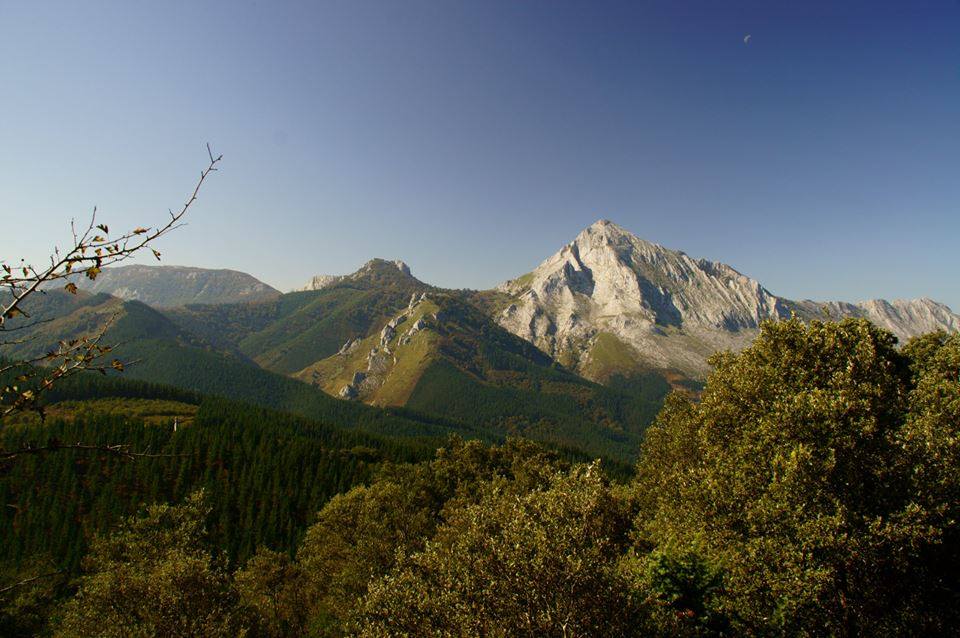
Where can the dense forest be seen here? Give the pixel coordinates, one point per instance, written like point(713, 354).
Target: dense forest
point(811, 488)
point(267, 474)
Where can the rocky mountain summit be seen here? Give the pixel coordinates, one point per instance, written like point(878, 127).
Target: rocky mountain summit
point(610, 300)
point(168, 286)
point(319, 282)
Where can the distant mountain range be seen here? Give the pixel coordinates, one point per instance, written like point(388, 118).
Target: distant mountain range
point(579, 352)
point(168, 286)
point(383, 337)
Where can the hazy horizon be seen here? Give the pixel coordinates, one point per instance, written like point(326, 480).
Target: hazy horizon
point(818, 157)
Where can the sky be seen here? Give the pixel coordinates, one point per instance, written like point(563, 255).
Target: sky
point(821, 156)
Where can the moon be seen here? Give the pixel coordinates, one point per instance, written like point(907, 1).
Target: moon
point(746, 39)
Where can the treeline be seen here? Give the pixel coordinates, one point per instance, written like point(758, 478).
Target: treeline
point(266, 475)
point(812, 490)
point(94, 386)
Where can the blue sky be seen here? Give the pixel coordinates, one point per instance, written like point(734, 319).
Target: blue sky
point(474, 139)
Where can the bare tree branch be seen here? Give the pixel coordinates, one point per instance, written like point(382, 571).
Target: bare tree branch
point(121, 449)
point(92, 250)
point(27, 581)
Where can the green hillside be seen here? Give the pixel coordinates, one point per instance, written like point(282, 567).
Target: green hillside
point(441, 355)
point(301, 328)
point(267, 472)
point(420, 362)
point(165, 353)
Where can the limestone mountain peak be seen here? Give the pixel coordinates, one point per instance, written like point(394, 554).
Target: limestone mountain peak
point(668, 309)
point(375, 267)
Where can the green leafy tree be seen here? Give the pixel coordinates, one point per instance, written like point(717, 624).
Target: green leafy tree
point(540, 563)
point(153, 577)
point(683, 591)
point(359, 536)
point(931, 443)
point(27, 601)
point(273, 589)
point(818, 471)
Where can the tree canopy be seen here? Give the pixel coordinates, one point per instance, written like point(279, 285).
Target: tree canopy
point(818, 471)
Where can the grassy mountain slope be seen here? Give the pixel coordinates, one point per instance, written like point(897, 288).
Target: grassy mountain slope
point(389, 365)
point(166, 353)
point(301, 328)
point(441, 355)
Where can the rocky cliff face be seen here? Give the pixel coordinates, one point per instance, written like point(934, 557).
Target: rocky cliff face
point(168, 286)
point(903, 317)
point(319, 282)
point(609, 297)
point(908, 318)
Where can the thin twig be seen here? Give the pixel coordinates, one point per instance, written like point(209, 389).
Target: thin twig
point(91, 252)
point(122, 450)
point(27, 581)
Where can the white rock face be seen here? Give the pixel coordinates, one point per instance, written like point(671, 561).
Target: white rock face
point(401, 266)
point(387, 334)
point(909, 318)
point(319, 282)
point(349, 346)
point(671, 310)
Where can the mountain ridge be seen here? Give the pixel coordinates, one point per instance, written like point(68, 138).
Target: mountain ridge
point(671, 310)
point(442, 355)
point(580, 351)
point(319, 282)
point(608, 306)
point(168, 286)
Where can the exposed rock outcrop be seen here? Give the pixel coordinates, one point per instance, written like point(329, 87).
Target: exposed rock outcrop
point(668, 309)
point(349, 346)
point(911, 317)
point(319, 282)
